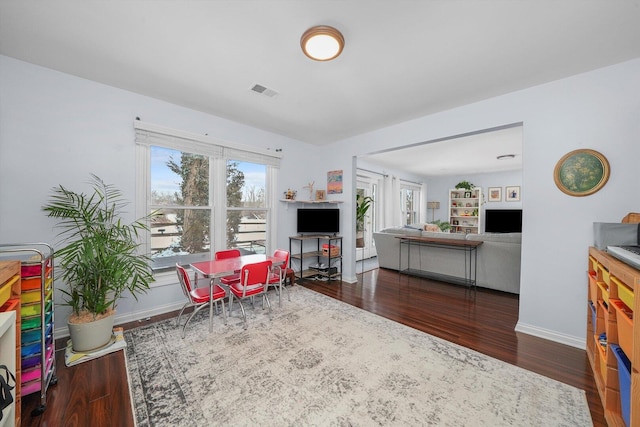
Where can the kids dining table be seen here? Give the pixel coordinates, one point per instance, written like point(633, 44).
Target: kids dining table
point(216, 269)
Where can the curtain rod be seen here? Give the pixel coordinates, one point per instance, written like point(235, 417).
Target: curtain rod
point(377, 173)
point(411, 182)
point(386, 175)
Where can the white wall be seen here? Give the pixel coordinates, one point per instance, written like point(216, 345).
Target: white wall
point(438, 190)
point(598, 110)
point(56, 129)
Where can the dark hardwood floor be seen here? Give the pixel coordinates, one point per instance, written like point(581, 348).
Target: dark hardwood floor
point(95, 393)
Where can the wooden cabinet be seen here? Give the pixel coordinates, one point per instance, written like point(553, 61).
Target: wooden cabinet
point(465, 215)
point(613, 336)
point(316, 257)
point(10, 333)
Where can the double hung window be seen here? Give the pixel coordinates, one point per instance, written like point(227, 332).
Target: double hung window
point(205, 196)
point(409, 203)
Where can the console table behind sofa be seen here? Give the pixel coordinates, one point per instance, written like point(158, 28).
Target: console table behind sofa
point(469, 259)
point(498, 256)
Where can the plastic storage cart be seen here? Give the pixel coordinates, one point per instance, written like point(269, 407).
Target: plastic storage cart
point(37, 351)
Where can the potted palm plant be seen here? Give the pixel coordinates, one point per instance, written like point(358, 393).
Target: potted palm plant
point(363, 203)
point(99, 259)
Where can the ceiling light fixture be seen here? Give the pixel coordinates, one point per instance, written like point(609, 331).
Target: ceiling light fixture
point(322, 43)
point(506, 156)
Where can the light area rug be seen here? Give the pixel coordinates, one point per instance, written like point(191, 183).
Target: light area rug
point(322, 362)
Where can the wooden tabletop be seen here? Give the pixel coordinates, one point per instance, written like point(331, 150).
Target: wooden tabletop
point(440, 241)
point(228, 266)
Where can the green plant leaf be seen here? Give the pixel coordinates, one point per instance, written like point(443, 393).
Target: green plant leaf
point(465, 185)
point(99, 258)
point(362, 207)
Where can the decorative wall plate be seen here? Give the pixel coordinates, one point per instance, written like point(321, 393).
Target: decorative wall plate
point(581, 172)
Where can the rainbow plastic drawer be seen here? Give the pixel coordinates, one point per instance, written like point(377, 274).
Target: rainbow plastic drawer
point(30, 387)
point(29, 270)
point(30, 323)
point(49, 330)
point(30, 336)
point(31, 361)
point(31, 283)
point(30, 349)
point(30, 296)
point(30, 310)
point(31, 375)
point(47, 283)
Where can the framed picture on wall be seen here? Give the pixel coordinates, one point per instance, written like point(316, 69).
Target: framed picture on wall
point(495, 194)
point(334, 182)
point(581, 172)
point(513, 194)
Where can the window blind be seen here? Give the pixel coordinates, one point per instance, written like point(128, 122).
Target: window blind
point(149, 134)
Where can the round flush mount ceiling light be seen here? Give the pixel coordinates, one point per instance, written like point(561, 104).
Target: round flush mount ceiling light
point(322, 43)
point(506, 156)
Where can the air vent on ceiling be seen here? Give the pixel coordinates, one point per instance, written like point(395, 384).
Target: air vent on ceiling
point(264, 90)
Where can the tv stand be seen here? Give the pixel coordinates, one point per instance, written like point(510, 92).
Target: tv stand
point(316, 257)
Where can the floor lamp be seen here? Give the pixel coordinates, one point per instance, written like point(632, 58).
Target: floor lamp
point(433, 206)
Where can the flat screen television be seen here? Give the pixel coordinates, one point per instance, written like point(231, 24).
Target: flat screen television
point(503, 221)
point(318, 221)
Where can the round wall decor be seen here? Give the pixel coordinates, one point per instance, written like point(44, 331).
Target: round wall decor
point(581, 172)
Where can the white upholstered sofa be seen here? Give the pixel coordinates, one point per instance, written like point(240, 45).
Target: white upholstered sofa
point(498, 257)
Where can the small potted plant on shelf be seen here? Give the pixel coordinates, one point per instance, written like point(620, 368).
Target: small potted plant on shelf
point(99, 259)
point(466, 185)
point(363, 203)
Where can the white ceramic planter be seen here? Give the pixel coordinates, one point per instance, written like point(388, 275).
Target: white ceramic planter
point(92, 335)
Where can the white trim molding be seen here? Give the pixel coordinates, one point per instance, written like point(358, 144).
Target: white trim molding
point(550, 335)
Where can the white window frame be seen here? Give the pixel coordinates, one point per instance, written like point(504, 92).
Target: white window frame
point(416, 189)
point(148, 135)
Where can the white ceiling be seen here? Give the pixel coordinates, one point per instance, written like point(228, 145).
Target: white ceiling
point(462, 155)
point(403, 58)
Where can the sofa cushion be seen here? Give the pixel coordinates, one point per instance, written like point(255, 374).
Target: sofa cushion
point(496, 237)
point(404, 231)
point(432, 227)
point(441, 235)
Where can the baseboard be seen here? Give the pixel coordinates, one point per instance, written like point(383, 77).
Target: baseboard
point(63, 331)
point(550, 335)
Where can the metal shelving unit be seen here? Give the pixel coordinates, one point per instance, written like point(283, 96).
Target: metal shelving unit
point(320, 259)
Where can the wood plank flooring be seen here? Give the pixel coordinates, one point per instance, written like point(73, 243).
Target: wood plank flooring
point(95, 393)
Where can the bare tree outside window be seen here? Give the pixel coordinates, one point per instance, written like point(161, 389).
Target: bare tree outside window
point(246, 206)
point(180, 185)
point(180, 192)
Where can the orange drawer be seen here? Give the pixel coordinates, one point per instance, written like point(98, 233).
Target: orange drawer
point(31, 283)
point(593, 288)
